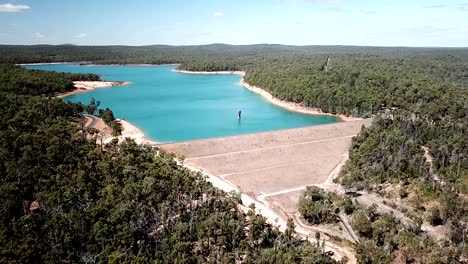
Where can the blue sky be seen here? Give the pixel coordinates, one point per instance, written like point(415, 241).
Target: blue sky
point(193, 22)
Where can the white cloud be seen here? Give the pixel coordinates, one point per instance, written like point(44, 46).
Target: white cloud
point(13, 8)
point(81, 36)
point(38, 35)
point(218, 14)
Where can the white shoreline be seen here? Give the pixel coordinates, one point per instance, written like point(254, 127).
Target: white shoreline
point(94, 64)
point(291, 106)
point(210, 73)
point(129, 130)
point(86, 86)
point(41, 63)
point(137, 64)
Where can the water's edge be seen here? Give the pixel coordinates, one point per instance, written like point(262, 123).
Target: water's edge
point(290, 106)
point(284, 105)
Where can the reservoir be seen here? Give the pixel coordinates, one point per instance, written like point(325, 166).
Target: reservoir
point(169, 106)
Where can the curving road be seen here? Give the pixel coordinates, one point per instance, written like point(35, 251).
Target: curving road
point(93, 120)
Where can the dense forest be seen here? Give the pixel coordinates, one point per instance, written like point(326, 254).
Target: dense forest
point(416, 96)
point(67, 200)
point(15, 79)
point(382, 237)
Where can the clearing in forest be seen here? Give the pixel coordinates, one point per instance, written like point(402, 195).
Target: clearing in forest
point(272, 167)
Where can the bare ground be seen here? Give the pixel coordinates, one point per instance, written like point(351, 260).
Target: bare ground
point(271, 169)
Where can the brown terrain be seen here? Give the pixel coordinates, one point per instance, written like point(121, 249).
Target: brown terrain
point(271, 169)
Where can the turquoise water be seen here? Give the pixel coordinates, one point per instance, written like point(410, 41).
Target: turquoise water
point(169, 106)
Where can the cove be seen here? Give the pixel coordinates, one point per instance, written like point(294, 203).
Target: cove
point(169, 106)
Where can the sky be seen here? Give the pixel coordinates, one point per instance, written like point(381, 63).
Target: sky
point(429, 23)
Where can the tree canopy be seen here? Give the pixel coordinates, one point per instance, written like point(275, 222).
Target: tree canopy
point(64, 199)
point(17, 80)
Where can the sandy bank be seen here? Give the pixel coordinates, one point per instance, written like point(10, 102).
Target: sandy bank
point(131, 131)
point(42, 63)
point(96, 64)
point(137, 64)
point(291, 106)
point(211, 73)
point(86, 86)
point(128, 131)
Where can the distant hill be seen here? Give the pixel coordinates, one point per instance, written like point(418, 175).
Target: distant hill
point(158, 54)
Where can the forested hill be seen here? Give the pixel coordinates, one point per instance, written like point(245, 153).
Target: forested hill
point(214, 55)
point(64, 199)
point(15, 79)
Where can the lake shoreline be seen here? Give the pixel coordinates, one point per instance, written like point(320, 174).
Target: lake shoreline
point(210, 73)
point(42, 63)
point(129, 130)
point(290, 106)
point(96, 64)
point(86, 86)
point(137, 64)
point(134, 132)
